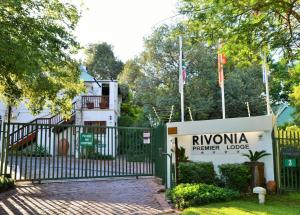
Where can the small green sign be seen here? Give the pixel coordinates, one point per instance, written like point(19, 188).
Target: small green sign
point(86, 139)
point(290, 163)
point(101, 145)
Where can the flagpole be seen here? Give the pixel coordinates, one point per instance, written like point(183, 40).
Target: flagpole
point(222, 80)
point(223, 98)
point(181, 80)
point(265, 73)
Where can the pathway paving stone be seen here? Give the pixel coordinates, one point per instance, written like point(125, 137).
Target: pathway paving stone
point(123, 196)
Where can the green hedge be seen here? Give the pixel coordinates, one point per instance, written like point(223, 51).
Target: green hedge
point(235, 176)
point(196, 172)
point(6, 183)
point(187, 195)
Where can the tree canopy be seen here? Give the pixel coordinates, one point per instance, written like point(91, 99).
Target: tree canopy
point(36, 46)
point(246, 27)
point(101, 61)
point(153, 80)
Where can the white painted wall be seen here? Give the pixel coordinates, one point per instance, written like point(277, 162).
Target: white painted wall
point(258, 131)
point(100, 115)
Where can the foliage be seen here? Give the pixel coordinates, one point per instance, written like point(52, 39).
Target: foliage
point(241, 86)
point(187, 195)
point(33, 150)
point(246, 27)
point(37, 37)
point(235, 176)
point(6, 183)
point(282, 80)
point(40, 151)
point(196, 172)
point(130, 74)
point(89, 152)
point(295, 95)
point(284, 86)
point(131, 114)
point(253, 157)
point(153, 80)
point(138, 152)
point(287, 204)
point(181, 154)
point(101, 61)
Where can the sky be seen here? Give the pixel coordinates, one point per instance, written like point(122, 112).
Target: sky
point(122, 23)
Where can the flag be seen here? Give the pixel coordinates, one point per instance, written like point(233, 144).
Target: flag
point(182, 67)
point(264, 74)
point(221, 61)
point(265, 69)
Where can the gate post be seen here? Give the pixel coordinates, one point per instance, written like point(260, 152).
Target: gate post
point(276, 159)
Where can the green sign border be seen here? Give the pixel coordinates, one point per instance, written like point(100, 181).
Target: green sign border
point(291, 162)
point(84, 141)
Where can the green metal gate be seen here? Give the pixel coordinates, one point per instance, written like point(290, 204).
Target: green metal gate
point(287, 159)
point(38, 152)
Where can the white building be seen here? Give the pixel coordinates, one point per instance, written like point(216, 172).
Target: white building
point(99, 106)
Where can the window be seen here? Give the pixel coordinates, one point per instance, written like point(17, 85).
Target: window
point(95, 129)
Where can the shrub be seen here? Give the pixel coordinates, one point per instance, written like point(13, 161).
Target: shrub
point(235, 176)
point(138, 152)
point(181, 155)
point(90, 153)
point(6, 183)
point(196, 172)
point(187, 195)
point(33, 150)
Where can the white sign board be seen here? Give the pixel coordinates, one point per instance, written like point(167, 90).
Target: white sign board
point(146, 136)
point(223, 141)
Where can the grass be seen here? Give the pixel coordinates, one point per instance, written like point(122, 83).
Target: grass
point(287, 204)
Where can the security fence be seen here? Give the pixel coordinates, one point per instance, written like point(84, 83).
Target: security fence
point(38, 152)
point(287, 159)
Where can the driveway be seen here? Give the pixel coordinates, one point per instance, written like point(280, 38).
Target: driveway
point(122, 196)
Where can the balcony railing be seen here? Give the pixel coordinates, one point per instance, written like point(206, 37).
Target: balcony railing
point(95, 102)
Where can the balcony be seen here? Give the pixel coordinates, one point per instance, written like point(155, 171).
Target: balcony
point(95, 102)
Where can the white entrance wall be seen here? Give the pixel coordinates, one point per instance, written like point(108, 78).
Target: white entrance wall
point(224, 140)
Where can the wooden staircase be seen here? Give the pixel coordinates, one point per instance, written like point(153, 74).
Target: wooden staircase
point(26, 134)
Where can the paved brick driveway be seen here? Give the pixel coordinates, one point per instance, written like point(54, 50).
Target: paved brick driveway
point(126, 196)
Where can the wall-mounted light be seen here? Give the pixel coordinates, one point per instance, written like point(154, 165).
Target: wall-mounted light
point(110, 117)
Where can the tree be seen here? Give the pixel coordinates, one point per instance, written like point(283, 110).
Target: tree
point(101, 61)
point(241, 86)
point(295, 95)
point(246, 27)
point(130, 74)
point(153, 80)
point(36, 45)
